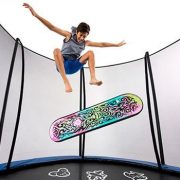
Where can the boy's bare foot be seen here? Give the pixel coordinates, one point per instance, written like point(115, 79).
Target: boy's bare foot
point(68, 87)
point(95, 82)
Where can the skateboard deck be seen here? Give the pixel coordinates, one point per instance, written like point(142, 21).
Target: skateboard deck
point(97, 116)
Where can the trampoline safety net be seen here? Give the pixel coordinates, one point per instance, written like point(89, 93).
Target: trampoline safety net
point(44, 100)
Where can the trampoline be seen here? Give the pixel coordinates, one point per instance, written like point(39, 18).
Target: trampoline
point(32, 97)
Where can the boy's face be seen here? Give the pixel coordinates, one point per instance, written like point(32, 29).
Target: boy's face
point(81, 36)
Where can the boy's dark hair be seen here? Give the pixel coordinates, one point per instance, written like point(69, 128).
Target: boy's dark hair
point(83, 27)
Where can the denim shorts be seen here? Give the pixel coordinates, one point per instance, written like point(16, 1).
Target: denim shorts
point(72, 66)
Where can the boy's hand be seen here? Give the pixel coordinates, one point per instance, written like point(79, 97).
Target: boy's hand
point(121, 43)
point(30, 8)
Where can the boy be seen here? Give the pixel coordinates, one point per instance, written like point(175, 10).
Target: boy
point(68, 59)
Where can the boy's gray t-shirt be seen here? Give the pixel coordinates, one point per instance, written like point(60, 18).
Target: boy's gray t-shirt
point(72, 49)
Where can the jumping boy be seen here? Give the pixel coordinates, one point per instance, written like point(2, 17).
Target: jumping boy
point(68, 59)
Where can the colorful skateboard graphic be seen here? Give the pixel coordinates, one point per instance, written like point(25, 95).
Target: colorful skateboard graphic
point(97, 116)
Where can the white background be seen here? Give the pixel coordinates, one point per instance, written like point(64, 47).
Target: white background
point(146, 25)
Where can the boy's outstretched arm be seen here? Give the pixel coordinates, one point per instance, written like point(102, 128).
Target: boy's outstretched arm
point(104, 44)
point(47, 23)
